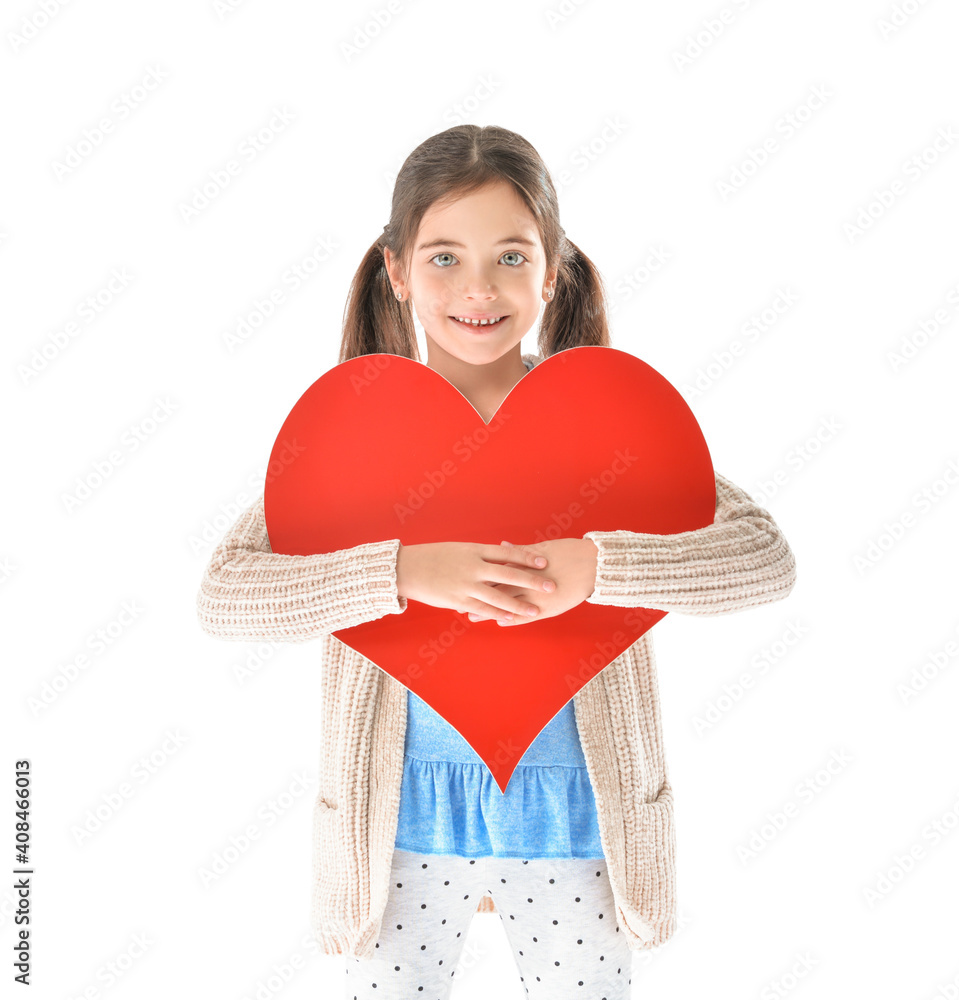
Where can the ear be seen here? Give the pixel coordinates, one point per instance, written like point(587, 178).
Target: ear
point(394, 269)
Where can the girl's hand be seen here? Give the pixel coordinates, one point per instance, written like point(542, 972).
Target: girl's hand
point(572, 562)
point(465, 576)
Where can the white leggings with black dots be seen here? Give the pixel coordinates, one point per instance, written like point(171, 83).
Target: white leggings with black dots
point(558, 914)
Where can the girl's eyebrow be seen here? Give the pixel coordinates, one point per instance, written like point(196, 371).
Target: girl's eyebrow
point(453, 243)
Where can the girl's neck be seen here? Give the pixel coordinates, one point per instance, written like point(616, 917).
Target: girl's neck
point(485, 386)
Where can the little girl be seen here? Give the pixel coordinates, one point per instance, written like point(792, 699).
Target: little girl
point(411, 834)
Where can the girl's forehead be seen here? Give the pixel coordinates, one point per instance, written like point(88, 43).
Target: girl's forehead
point(516, 225)
point(500, 196)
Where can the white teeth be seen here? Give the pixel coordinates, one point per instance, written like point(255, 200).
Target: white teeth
point(478, 322)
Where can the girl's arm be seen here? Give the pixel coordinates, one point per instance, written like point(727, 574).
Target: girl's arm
point(250, 593)
point(737, 562)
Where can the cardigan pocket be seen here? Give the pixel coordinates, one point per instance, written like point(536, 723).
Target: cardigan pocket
point(329, 867)
point(653, 884)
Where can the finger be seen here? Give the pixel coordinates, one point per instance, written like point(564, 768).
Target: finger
point(517, 620)
point(531, 580)
point(508, 574)
point(537, 559)
point(518, 599)
point(507, 601)
point(497, 615)
point(514, 553)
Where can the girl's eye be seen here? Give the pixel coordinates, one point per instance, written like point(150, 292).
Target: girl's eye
point(514, 253)
point(508, 253)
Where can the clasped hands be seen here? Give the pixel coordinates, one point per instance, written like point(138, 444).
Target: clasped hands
point(570, 564)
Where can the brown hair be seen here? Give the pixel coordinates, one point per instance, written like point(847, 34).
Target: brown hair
point(451, 164)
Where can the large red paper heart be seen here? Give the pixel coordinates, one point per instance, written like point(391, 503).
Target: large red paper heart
point(382, 447)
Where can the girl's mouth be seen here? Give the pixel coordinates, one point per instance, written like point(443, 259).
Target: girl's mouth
point(479, 325)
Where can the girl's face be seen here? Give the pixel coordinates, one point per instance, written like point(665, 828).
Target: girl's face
point(477, 257)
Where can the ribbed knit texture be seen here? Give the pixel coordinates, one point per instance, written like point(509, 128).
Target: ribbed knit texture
point(249, 593)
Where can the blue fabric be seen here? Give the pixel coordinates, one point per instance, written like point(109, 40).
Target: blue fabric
point(450, 804)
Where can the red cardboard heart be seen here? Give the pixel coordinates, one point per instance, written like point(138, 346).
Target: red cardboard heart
point(382, 447)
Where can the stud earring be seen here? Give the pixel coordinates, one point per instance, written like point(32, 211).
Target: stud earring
point(399, 295)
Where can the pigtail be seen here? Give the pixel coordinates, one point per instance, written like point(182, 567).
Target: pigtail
point(576, 316)
point(374, 320)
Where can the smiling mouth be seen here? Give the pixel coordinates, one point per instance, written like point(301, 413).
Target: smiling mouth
point(479, 324)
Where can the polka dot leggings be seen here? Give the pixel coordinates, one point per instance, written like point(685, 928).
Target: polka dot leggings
point(558, 914)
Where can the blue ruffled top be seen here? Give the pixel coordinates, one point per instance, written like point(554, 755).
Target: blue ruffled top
point(450, 803)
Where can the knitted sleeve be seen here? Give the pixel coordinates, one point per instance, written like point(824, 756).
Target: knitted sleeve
point(250, 593)
point(739, 561)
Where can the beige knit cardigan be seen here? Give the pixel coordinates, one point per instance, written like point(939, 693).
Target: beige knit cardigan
point(250, 594)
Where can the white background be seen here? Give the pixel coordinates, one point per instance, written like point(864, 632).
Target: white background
point(647, 140)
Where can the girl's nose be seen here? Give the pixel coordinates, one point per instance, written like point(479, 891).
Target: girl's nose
point(478, 285)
